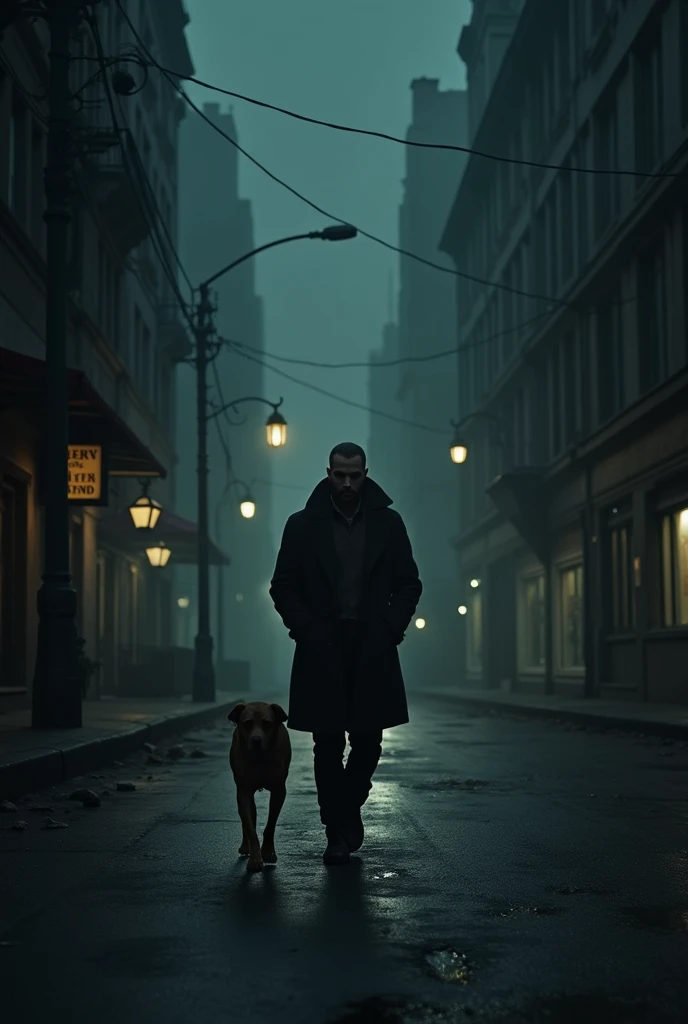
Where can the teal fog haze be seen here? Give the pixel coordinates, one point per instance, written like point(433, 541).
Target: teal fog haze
point(352, 63)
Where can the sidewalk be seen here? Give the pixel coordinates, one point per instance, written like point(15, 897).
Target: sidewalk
point(32, 759)
point(668, 720)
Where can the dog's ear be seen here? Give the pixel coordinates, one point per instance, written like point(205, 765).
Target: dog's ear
point(234, 714)
point(280, 713)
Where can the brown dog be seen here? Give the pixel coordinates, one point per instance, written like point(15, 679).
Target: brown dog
point(259, 757)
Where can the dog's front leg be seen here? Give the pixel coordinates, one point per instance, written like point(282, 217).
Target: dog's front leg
point(247, 812)
point(277, 798)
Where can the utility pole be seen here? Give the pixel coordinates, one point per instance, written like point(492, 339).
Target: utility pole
point(204, 671)
point(56, 701)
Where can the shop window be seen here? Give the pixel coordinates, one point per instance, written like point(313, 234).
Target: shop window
point(532, 638)
point(571, 653)
point(621, 579)
point(475, 633)
point(675, 568)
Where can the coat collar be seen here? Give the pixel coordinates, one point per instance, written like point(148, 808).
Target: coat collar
point(320, 505)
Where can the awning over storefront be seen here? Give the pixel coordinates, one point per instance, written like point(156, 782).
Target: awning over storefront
point(91, 419)
point(180, 536)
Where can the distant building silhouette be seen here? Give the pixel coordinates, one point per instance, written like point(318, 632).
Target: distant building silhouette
point(425, 481)
point(216, 226)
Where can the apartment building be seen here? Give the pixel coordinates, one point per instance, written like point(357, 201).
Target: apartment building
point(573, 375)
point(124, 336)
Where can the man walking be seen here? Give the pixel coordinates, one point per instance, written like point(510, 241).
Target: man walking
point(346, 586)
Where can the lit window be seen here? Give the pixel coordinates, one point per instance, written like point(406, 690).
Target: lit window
point(475, 632)
point(571, 617)
point(675, 568)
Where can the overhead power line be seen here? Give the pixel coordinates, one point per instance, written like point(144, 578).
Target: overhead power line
point(339, 398)
point(319, 209)
point(415, 143)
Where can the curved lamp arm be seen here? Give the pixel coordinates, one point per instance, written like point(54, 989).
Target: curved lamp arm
point(239, 401)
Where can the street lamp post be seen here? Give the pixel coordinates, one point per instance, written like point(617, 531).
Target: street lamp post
point(56, 697)
point(204, 672)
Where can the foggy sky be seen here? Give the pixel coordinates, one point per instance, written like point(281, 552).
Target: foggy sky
point(350, 62)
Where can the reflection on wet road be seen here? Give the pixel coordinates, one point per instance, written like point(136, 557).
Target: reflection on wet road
point(512, 871)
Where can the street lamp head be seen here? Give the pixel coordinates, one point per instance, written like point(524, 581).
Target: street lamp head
point(276, 427)
point(458, 450)
point(338, 232)
point(247, 507)
point(159, 555)
point(183, 602)
point(420, 623)
point(123, 83)
point(145, 512)
point(462, 609)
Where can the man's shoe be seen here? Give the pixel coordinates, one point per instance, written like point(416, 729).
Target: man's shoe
point(352, 832)
point(337, 851)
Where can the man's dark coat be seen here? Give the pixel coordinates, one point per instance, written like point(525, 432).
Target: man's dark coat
point(304, 590)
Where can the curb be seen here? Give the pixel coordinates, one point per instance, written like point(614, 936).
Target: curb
point(605, 723)
point(55, 766)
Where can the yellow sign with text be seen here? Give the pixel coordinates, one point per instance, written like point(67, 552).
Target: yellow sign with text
point(85, 467)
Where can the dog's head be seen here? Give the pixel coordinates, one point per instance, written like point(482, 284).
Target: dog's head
point(257, 724)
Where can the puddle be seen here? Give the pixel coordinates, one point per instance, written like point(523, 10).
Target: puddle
point(449, 965)
point(471, 785)
point(383, 876)
point(389, 1011)
point(532, 911)
point(597, 1008)
point(670, 920)
point(579, 890)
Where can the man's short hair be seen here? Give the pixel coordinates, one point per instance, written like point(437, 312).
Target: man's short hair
point(348, 450)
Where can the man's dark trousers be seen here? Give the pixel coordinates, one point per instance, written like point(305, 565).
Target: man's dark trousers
point(343, 791)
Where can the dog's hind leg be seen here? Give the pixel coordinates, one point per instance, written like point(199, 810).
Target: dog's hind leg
point(277, 798)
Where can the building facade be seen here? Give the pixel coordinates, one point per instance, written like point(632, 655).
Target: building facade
point(573, 359)
point(124, 339)
point(216, 228)
point(427, 391)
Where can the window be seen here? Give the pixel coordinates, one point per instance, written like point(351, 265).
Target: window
point(18, 178)
point(620, 567)
point(583, 202)
point(566, 221)
point(675, 568)
point(653, 335)
point(606, 156)
point(532, 640)
point(569, 388)
point(554, 388)
point(37, 200)
point(146, 357)
point(475, 632)
point(649, 108)
point(571, 617)
point(610, 358)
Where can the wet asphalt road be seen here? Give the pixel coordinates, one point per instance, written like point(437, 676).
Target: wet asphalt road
point(512, 871)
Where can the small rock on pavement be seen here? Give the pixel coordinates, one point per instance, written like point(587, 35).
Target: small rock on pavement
point(154, 759)
point(51, 823)
point(118, 764)
point(198, 753)
point(150, 747)
point(19, 826)
point(87, 797)
point(7, 807)
point(126, 787)
point(174, 753)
